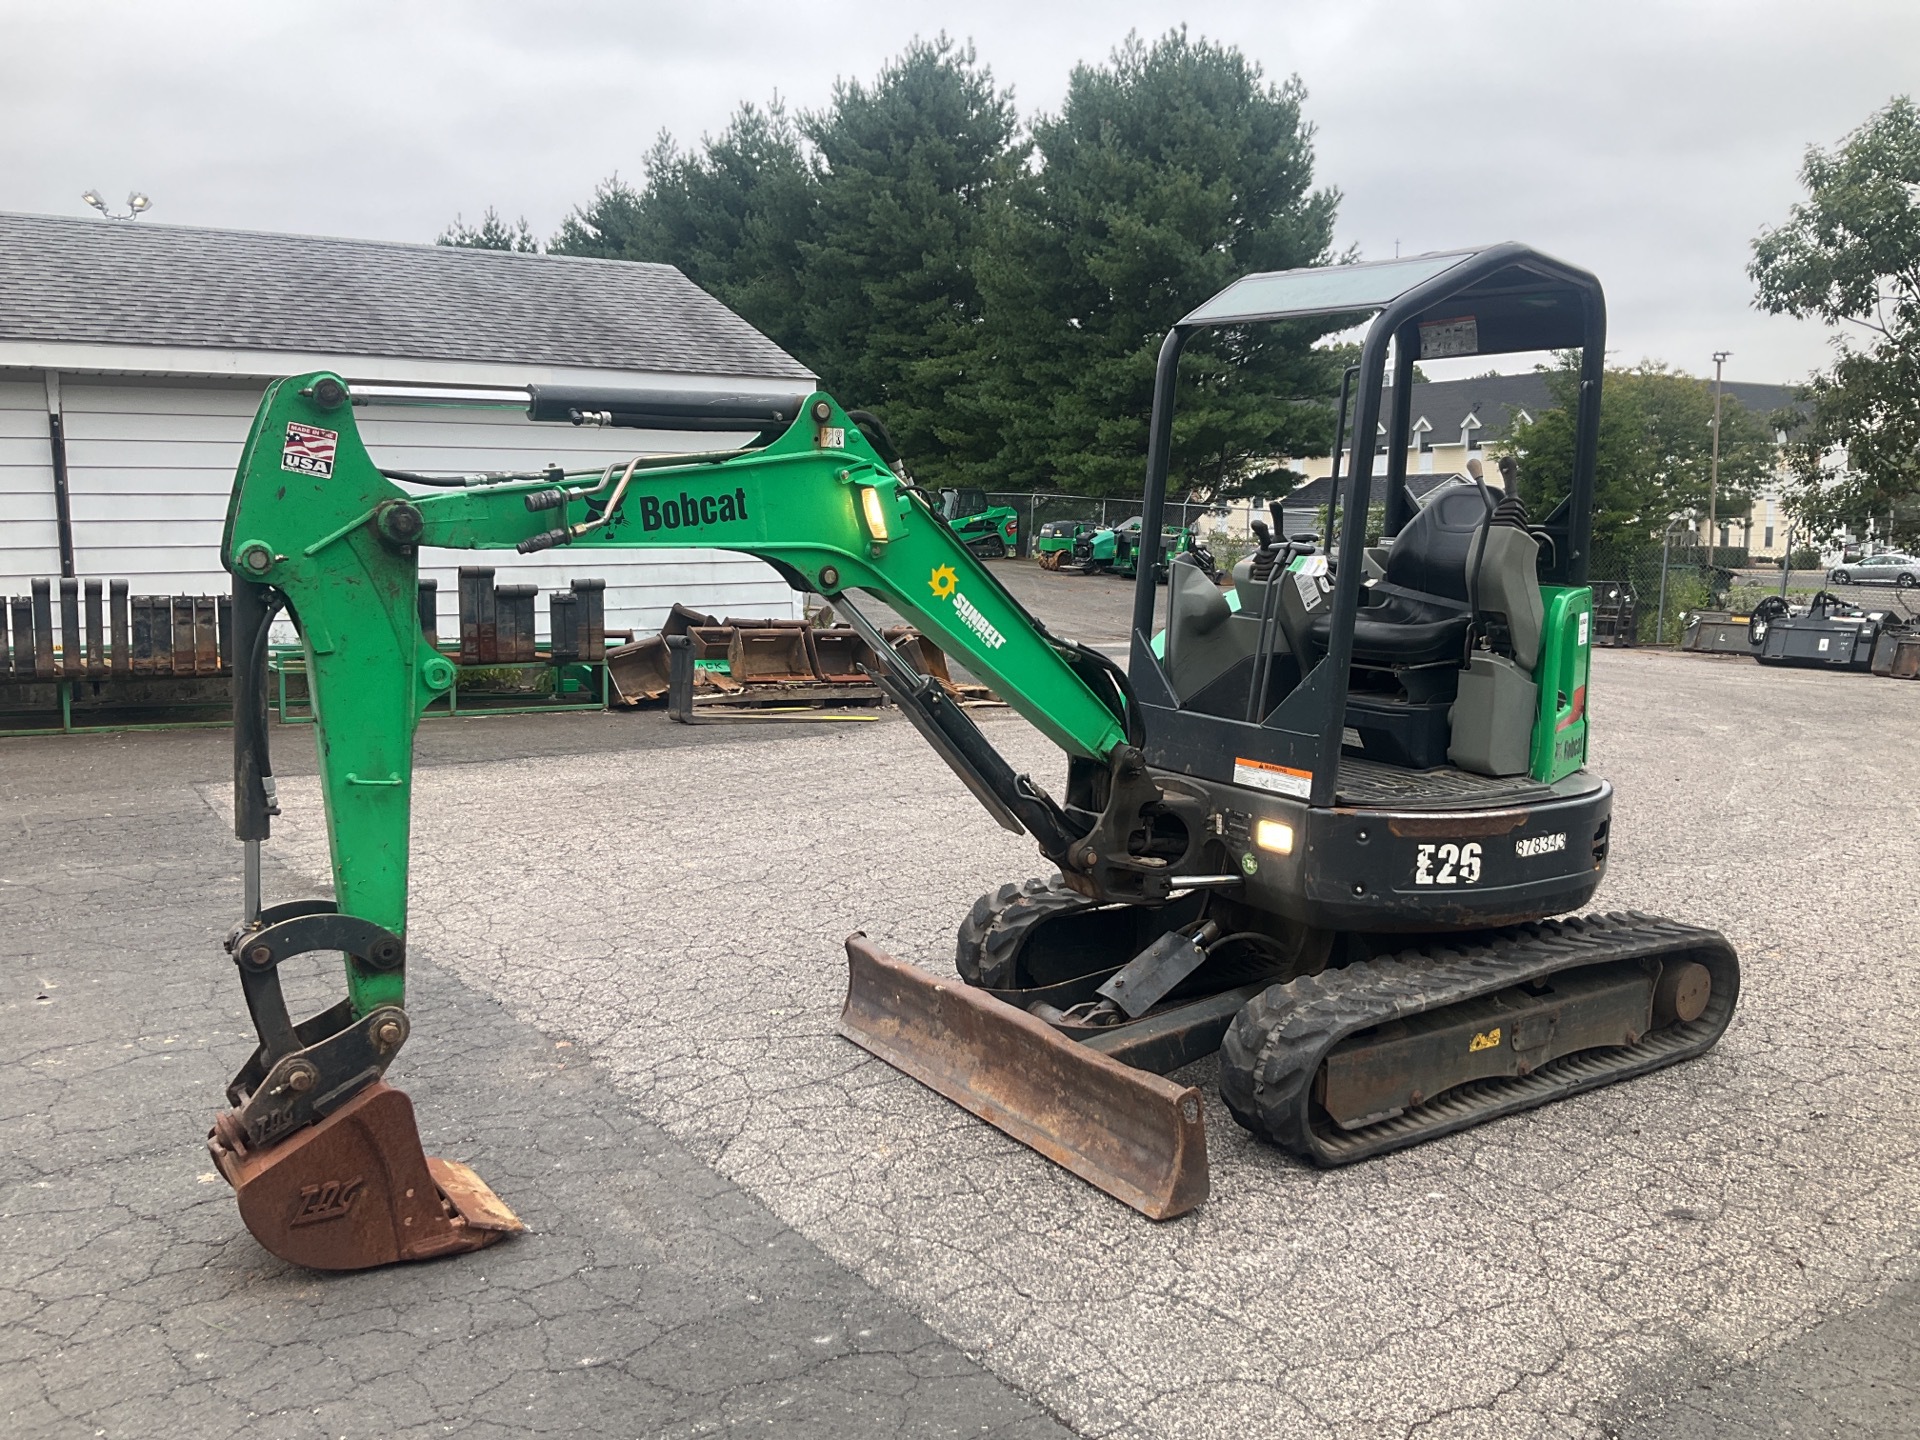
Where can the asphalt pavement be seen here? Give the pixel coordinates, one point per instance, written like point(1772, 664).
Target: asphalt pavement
point(626, 941)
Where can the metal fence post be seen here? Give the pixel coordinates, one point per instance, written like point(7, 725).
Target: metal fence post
point(1660, 614)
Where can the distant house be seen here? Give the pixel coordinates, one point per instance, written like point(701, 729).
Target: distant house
point(1457, 420)
point(1305, 508)
point(132, 357)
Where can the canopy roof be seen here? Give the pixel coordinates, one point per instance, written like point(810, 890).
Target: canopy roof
point(1506, 298)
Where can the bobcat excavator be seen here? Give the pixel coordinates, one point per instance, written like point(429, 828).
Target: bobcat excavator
point(1318, 825)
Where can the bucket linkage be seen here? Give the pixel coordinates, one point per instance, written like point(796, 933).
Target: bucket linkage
point(323, 1155)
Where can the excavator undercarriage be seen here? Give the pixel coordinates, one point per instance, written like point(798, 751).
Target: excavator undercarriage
point(1319, 825)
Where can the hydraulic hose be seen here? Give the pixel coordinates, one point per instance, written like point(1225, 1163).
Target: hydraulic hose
point(254, 800)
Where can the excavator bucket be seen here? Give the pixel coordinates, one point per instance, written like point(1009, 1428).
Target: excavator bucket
point(776, 653)
point(356, 1190)
point(1136, 1135)
point(921, 653)
point(839, 654)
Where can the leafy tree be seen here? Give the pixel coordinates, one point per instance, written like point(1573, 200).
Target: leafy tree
point(1000, 310)
point(1656, 449)
point(492, 233)
point(1170, 171)
point(730, 215)
point(1850, 255)
point(903, 172)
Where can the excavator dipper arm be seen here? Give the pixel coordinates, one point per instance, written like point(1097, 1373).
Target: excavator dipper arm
point(322, 1152)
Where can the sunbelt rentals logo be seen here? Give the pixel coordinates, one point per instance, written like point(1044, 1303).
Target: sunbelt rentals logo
point(944, 582)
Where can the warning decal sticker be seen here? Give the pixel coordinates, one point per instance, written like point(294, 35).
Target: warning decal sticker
point(1441, 338)
point(309, 449)
point(1280, 779)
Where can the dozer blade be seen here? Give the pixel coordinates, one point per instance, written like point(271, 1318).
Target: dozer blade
point(1137, 1136)
point(356, 1190)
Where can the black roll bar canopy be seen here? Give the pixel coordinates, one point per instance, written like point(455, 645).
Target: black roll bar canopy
point(1499, 299)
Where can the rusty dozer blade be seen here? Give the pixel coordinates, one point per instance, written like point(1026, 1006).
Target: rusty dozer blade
point(1138, 1136)
point(356, 1190)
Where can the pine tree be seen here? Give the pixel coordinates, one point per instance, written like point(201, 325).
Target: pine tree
point(1169, 172)
point(904, 170)
point(492, 233)
point(730, 215)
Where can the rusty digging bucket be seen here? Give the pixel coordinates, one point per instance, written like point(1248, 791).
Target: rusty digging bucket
point(356, 1190)
point(779, 654)
point(1136, 1135)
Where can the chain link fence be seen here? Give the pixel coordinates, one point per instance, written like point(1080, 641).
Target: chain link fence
point(1665, 587)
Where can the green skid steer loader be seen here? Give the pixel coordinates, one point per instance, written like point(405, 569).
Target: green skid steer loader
point(990, 531)
point(1321, 828)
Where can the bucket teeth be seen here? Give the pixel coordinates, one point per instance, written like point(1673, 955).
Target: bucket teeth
point(356, 1190)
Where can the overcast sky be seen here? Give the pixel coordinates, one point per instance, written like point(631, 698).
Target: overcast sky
point(1648, 140)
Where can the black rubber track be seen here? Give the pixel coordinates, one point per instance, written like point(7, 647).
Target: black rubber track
point(988, 949)
point(1277, 1043)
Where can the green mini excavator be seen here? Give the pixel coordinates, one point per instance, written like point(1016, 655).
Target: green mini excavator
point(1319, 825)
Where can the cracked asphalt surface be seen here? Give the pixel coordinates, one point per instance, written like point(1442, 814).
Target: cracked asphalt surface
point(627, 965)
point(654, 1297)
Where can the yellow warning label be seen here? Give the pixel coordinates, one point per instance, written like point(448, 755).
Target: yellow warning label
point(1485, 1040)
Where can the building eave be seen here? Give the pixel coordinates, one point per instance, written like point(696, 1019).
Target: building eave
point(206, 363)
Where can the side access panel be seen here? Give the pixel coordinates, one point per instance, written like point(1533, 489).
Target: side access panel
point(1566, 648)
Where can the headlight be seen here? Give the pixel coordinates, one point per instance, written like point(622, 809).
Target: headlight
point(875, 509)
point(1274, 835)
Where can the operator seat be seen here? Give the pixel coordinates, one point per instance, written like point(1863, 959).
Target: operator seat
point(1419, 613)
point(1462, 558)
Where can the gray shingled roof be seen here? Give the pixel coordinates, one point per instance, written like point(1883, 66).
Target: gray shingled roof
point(97, 282)
point(1495, 399)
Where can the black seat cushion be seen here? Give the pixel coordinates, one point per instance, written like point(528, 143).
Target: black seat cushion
point(1431, 553)
point(1401, 631)
point(1420, 612)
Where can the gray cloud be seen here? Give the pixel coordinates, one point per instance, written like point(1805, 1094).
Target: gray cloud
point(1648, 141)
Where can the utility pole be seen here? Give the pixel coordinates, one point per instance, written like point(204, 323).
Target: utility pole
point(1713, 477)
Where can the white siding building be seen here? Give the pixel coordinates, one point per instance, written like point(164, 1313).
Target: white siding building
point(141, 352)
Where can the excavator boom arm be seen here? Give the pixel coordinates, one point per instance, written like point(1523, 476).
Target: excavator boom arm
point(316, 525)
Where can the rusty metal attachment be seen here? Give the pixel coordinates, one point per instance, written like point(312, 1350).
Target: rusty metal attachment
point(773, 653)
point(357, 1191)
point(772, 669)
point(1136, 1135)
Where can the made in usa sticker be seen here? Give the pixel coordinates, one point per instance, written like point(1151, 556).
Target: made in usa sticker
point(308, 449)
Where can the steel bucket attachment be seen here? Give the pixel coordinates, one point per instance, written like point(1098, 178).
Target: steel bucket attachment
point(640, 668)
point(776, 653)
point(356, 1190)
point(921, 653)
point(838, 654)
point(1137, 1136)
